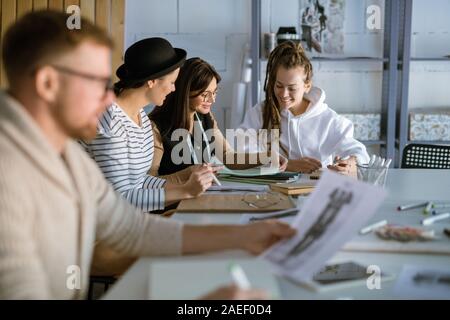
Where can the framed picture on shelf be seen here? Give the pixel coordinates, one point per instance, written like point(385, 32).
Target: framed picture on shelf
point(322, 25)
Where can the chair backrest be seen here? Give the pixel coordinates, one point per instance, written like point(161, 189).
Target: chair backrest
point(426, 156)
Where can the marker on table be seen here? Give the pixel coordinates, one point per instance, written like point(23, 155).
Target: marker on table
point(239, 276)
point(439, 217)
point(411, 206)
point(373, 226)
point(427, 209)
point(441, 205)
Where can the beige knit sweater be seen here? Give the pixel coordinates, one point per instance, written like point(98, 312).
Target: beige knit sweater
point(54, 208)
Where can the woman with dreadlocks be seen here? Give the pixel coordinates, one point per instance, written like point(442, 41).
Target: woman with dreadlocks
point(311, 134)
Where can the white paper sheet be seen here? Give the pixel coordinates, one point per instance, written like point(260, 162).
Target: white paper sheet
point(267, 170)
point(331, 215)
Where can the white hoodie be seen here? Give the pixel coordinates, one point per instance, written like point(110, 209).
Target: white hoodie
point(318, 133)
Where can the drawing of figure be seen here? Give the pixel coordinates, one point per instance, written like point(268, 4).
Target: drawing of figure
point(338, 198)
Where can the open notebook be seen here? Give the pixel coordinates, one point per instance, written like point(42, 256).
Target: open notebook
point(185, 279)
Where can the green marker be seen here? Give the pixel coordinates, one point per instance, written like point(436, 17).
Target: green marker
point(428, 208)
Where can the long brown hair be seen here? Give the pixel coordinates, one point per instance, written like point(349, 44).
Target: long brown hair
point(288, 55)
point(194, 77)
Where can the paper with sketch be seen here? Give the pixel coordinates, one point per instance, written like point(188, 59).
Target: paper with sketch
point(331, 215)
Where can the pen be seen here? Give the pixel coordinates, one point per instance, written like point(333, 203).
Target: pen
point(337, 159)
point(373, 226)
point(431, 220)
point(387, 163)
point(239, 276)
point(214, 177)
point(216, 180)
point(277, 215)
point(411, 206)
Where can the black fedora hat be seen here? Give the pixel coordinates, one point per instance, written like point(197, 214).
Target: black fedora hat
point(149, 59)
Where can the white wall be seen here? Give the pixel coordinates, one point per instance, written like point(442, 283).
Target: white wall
point(217, 30)
point(429, 81)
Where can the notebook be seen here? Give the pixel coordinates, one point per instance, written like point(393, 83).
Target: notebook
point(264, 179)
point(302, 186)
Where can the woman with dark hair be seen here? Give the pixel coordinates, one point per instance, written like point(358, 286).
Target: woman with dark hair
point(124, 145)
point(188, 111)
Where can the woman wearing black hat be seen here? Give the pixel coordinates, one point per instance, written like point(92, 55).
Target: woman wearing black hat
point(124, 145)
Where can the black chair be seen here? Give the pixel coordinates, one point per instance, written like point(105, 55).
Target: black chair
point(105, 280)
point(426, 156)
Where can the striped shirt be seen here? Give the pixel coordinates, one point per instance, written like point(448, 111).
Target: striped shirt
point(124, 152)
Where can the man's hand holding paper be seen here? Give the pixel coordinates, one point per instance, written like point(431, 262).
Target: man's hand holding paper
point(330, 217)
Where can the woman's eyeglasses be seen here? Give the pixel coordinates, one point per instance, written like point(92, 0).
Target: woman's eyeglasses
point(262, 200)
point(208, 96)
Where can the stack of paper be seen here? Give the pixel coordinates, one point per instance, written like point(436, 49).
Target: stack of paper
point(256, 176)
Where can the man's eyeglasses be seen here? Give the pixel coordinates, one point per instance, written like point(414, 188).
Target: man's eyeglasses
point(106, 81)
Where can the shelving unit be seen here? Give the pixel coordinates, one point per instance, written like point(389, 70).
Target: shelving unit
point(404, 67)
point(396, 60)
point(389, 60)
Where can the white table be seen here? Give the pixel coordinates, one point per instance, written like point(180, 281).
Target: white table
point(404, 185)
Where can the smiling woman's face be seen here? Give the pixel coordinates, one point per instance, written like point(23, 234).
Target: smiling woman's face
point(290, 87)
point(203, 102)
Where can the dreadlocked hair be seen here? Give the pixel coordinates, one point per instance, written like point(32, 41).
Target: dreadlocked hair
point(288, 55)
